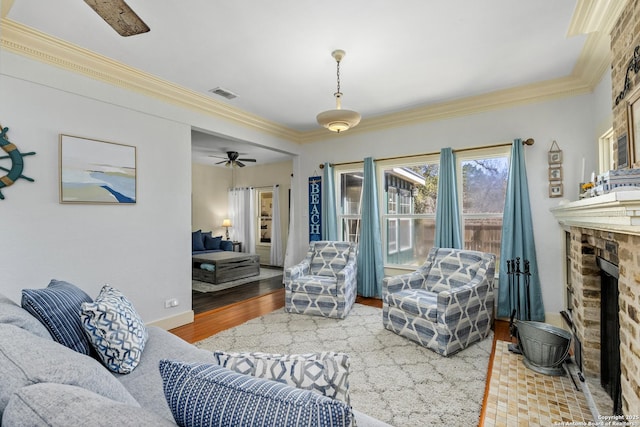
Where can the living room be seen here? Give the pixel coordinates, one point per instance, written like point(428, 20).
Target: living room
point(48, 87)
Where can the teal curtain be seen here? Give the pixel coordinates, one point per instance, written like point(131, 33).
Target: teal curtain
point(518, 241)
point(448, 227)
point(370, 267)
point(329, 214)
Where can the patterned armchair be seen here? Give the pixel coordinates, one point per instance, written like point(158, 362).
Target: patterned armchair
point(446, 304)
point(324, 283)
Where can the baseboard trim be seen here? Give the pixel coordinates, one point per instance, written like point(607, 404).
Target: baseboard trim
point(174, 321)
point(553, 319)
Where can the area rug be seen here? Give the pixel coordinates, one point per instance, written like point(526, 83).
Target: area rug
point(391, 378)
point(265, 273)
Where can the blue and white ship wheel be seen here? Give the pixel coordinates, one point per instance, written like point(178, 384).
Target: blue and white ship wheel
point(17, 162)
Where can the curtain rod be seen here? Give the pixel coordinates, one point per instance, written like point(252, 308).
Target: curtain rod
point(528, 141)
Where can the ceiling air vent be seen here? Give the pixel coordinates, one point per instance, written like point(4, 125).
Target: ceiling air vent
point(223, 93)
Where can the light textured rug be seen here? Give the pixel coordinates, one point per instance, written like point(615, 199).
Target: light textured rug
point(265, 273)
point(391, 378)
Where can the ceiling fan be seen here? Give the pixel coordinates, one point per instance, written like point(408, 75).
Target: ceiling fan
point(120, 16)
point(233, 159)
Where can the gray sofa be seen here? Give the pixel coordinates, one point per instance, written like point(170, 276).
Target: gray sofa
point(46, 383)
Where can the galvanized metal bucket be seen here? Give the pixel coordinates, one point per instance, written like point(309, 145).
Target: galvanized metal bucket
point(545, 347)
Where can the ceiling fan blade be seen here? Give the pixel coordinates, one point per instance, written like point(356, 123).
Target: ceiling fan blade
point(248, 160)
point(239, 163)
point(219, 163)
point(120, 16)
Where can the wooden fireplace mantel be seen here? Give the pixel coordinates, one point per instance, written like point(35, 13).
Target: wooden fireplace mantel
point(617, 212)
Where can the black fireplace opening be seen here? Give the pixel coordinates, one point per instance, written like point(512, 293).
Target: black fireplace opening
point(610, 333)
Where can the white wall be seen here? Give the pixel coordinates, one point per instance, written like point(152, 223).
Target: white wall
point(141, 249)
point(210, 201)
point(569, 121)
point(144, 250)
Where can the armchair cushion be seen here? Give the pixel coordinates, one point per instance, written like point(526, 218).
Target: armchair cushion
point(317, 285)
point(329, 258)
point(417, 302)
point(451, 271)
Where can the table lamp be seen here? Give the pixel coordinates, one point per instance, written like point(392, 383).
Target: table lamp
point(226, 223)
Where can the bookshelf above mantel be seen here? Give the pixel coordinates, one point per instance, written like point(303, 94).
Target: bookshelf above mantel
point(617, 212)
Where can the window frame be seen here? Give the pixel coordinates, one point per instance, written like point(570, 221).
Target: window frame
point(398, 217)
point(408, 161)
point(341, 217)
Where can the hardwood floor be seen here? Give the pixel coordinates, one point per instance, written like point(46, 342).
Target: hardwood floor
point(213, 321)
point(206, 301)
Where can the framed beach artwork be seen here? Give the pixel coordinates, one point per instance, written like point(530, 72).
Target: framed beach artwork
point(98, 172)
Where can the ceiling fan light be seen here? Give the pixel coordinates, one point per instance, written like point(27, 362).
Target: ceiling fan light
point(338, 120)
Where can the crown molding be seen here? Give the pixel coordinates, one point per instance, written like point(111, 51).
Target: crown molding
point(592, 16)
point(5, 7)
point(25, 41)
point(551, 89)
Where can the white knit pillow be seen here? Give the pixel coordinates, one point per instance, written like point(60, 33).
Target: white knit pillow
point(326, 373)
point(115, 330)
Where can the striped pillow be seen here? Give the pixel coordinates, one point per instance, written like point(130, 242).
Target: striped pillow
point(210, 395)
point(58, 308)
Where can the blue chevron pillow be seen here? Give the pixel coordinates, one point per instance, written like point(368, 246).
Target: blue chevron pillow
point(115, 330)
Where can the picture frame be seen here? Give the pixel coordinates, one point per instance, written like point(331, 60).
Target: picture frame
point(555, 173)
point(633, 127)
point(555, 189)
point(96, 172)
point(622, 152)
point(555, 157)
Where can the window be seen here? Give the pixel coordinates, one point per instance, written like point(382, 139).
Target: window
point(349, 205)
point(408, 192)
point(265, 204)
point(408, 223)
point(606, 152)
point(484, 185)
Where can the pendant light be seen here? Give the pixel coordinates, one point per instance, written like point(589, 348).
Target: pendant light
point(338, 120)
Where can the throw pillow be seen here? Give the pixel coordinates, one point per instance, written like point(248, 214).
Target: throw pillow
point(226, 245)
point(197, 242)
point(326, 373)
point(40, 404)
point(26, 359)
point(58, 308)
point(115, 330)
point(210, 395)
point(12, 314)
point(211, 243)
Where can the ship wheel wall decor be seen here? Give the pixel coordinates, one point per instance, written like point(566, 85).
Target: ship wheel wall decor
point(17, 162)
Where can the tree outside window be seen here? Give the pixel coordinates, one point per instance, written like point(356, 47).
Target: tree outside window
point(408, 195)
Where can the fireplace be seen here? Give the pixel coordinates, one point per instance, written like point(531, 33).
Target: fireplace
point(604, 242)
point(610, 333)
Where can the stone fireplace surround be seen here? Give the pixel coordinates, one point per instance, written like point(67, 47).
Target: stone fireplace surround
point(607, 226)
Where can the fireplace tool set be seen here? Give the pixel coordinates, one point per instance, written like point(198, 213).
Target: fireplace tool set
point(545, 348)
